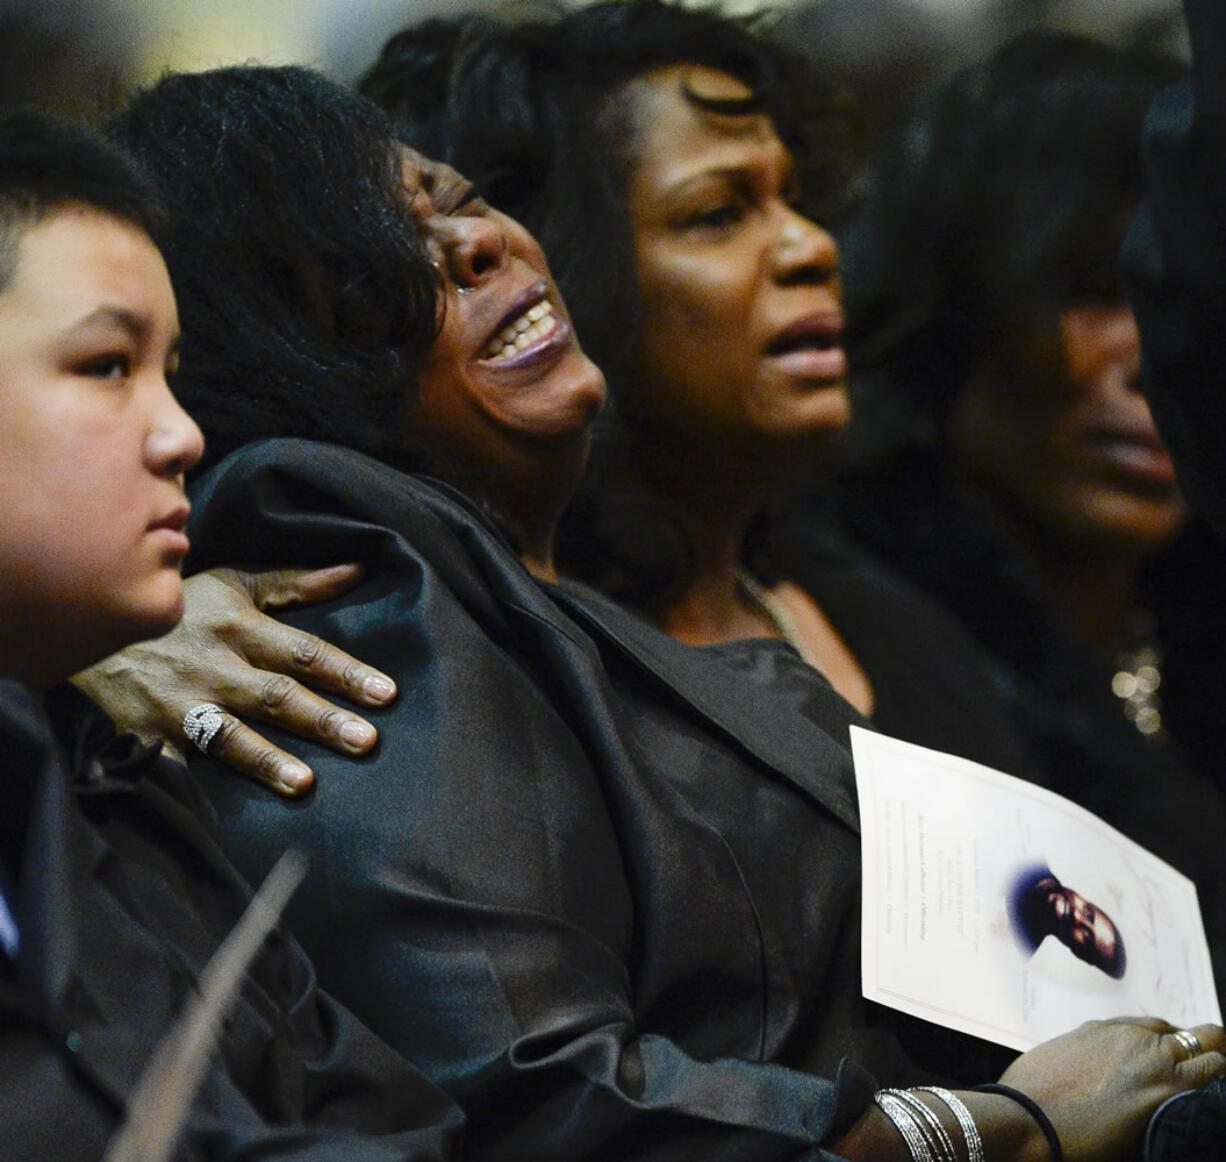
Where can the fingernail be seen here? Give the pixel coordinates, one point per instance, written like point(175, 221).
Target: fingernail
point(294, 776)
point(378, 689)
point(357, 734)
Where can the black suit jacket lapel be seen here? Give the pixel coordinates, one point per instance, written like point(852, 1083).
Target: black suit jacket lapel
point(794, 746)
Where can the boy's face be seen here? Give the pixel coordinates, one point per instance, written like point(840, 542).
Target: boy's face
point(93, 446)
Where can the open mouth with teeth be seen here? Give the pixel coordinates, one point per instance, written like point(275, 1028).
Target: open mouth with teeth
point(535, 324)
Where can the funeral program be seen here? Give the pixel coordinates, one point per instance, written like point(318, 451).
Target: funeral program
point(1000, 909)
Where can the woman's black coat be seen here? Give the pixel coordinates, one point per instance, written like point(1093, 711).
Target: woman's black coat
point(604, 888)
point(122, 895)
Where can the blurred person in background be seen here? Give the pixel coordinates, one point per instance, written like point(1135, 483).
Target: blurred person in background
point(1003, 456)
point(73, 59)
point(1173, 264)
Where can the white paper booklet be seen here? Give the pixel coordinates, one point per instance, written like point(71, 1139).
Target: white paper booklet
point(1000, 909)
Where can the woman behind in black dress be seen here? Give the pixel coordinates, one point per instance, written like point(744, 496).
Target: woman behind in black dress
point(560, 878)
point(1005, 457)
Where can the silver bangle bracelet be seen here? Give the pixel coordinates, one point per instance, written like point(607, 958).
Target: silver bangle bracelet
point(936, 1133)
point(906, 1123)
point(957, 1107)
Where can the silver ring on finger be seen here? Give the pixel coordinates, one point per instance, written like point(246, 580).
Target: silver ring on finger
point(1190, 1041)
point(202, 722)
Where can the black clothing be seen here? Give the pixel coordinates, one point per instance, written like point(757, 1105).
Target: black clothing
point(932, 684)
point(121, 898)
point(1190, 1127)
point(592, 882)
point(1056, 688)
point(1173, 260)
point(906, 512)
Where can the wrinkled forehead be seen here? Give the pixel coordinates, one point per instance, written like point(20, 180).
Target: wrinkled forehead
point(418, 171)
point(686, 92)
point(426, 181)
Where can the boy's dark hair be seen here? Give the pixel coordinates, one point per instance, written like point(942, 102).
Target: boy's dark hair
point(47, 163)
point(307, 299)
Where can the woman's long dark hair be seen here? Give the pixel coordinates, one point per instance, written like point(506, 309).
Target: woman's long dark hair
point(535, 115)
point(1001, 203)
point(305, 294)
